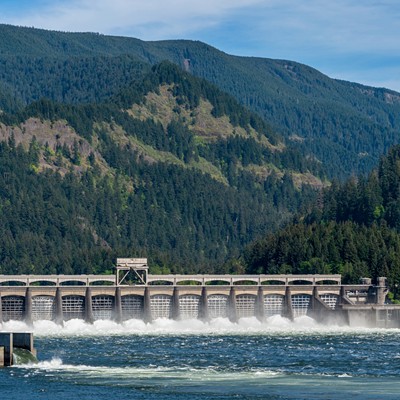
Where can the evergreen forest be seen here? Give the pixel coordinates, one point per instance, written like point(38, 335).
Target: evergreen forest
point(199, 160)
point(83, 184)
point(353, 229)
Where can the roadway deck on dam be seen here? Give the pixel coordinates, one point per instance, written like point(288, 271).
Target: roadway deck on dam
point(230, 280)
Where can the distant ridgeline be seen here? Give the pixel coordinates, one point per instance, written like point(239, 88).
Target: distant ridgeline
point(345, 125)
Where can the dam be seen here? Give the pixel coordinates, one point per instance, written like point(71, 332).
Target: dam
point(133, 293)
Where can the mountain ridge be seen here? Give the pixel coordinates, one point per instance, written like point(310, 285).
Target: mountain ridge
point(347, 126)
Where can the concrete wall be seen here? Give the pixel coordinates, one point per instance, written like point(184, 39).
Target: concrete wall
point(90, 301)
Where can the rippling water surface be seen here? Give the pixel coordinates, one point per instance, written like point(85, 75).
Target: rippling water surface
point(218, 360)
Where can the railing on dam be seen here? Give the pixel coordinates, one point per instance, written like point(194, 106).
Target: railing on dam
point(230, 280)
point(57, 280)
point(244, 279)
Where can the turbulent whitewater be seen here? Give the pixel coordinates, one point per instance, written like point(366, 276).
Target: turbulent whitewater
point(277, 359)
point(218, 326)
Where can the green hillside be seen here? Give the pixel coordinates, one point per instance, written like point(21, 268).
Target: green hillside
point(170, 168)
point(344, 125)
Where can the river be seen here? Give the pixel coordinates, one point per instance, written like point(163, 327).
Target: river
point(274, 360)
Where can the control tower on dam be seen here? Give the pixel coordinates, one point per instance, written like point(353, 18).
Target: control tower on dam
point(133, 293)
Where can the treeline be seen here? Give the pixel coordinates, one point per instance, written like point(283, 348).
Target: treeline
point(354, 230)
point(366, 200)
point(347, 248)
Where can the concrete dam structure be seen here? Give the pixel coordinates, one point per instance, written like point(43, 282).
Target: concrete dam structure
point(132, 293)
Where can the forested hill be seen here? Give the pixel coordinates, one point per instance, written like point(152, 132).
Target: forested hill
point(345, 125)
point(354, 230)
point(169, 167)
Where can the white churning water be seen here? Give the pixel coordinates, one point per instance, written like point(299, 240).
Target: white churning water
point(218, 326)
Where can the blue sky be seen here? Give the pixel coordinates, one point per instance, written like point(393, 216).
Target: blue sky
point(356, 40)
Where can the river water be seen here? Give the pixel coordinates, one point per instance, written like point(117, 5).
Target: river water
point(275, 360)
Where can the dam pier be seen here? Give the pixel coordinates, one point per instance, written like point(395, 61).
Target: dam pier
point(10, 341)
point(133, 293)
